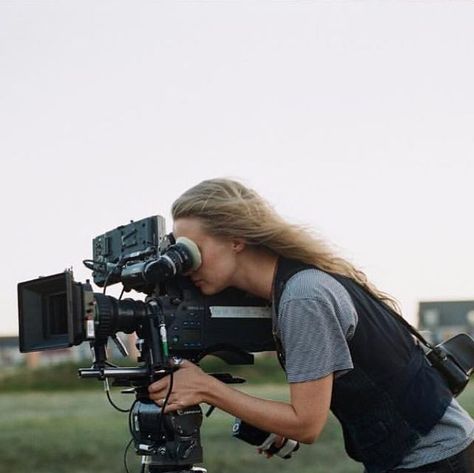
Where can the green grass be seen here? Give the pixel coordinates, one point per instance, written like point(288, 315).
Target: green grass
point(78, 432)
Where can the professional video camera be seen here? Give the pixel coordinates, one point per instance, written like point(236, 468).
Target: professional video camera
point(174, 320)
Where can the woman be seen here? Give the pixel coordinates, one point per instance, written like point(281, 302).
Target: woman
point(341, 346)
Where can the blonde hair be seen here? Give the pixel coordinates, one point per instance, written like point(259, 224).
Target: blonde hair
point(227, 208)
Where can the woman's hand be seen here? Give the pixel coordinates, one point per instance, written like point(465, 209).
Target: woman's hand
point(302, 419)
point(278, 442)
point(190, 387)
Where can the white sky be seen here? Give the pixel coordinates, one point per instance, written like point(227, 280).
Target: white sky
point(354, 117)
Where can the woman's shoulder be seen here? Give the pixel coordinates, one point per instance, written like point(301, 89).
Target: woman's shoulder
point(314, 293)
point(315, 284)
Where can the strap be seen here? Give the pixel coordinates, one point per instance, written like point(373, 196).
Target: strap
point(410, 328)
point(285, 269)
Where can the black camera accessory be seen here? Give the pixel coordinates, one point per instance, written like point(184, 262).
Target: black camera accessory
point(263, 440)
point(453, 358)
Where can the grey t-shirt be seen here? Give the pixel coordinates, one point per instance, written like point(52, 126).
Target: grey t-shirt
point(316, 320)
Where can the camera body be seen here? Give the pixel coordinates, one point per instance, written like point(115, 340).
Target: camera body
point(58, 312)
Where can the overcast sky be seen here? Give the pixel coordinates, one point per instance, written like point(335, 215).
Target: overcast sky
point(356, 118)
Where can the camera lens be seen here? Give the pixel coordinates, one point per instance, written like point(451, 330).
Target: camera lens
point(117, 315)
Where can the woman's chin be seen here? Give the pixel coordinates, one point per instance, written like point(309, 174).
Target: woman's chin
point(207, 289)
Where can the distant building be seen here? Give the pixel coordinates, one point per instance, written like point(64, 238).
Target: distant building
point(445, 319)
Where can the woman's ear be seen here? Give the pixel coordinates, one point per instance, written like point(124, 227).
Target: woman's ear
point(238, 244)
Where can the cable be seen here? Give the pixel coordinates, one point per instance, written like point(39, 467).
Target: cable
point(106, 282)
point(115, 405)
point(93, 264)
point(89, 263)
point(132, 433)
point(118, 266)
point(125, 453)
point(165, 402)
point(107, 392)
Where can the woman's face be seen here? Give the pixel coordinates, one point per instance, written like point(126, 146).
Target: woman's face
point(219, 256)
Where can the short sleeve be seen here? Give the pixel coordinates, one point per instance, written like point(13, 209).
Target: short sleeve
point(314, 330)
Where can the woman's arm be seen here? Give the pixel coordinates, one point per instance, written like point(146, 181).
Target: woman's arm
point(302, 419)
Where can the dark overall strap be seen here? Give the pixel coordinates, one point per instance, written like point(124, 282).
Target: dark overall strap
point(285, 269)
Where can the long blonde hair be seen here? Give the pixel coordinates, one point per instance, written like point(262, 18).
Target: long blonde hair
point(227, 208)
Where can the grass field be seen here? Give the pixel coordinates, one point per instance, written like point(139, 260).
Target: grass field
point(79, 432)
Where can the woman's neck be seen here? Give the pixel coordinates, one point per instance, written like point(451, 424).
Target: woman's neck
point(256, 271)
